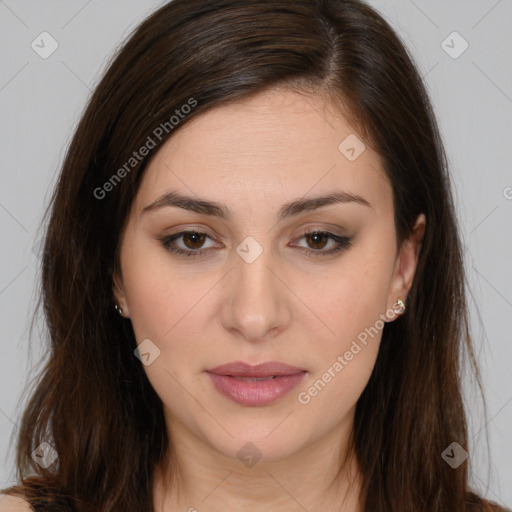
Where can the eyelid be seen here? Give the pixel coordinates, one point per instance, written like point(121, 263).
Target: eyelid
point(200, 230)
point(341, 242)
point(334, 230)
point(169, 239)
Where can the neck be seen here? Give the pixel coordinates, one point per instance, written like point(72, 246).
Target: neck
point(322, 476)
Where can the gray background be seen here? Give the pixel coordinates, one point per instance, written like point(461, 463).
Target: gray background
point(41, 100)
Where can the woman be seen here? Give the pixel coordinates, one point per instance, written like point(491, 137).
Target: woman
point(252, 277)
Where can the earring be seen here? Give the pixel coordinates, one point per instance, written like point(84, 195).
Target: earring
point(118, 309)
point(399, 307)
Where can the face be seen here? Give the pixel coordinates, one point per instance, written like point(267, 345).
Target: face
point(254, 278)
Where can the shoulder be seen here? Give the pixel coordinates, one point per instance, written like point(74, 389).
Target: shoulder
point(14, 504)
point(487, 506)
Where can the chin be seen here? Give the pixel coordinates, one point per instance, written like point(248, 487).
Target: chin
point(258, 441)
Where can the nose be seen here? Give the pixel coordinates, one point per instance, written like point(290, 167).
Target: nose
point(256, 303)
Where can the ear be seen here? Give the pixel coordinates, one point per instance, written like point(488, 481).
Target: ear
point(119, 295)
point(406, 262)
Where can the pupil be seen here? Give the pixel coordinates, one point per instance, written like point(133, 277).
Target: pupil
point(198, 239)
point(317, 236)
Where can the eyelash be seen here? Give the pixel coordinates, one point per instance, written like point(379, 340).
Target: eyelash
point(343, 243)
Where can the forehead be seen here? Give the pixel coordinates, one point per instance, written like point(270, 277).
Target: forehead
point(275, 145)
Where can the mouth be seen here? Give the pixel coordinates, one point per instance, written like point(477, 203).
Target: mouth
point(257, 385)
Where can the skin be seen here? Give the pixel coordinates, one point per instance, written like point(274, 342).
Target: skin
point(14, 504)
point(304, 310)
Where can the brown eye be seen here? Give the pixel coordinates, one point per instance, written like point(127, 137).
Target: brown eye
point(187, 243)
point(318, 240)
point(193, 240)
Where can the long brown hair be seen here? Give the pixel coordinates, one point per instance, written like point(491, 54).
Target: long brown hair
point(93, 402)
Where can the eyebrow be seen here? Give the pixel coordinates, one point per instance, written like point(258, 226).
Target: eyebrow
point(215, 209)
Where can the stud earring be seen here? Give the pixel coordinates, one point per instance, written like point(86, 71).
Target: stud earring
point(118, 309)
point(399, 307)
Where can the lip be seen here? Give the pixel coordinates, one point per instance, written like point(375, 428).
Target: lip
point(228, 380)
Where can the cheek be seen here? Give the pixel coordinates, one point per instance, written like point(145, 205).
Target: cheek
point(345, 354)
point(333, 393)
point(351, 307)
point(164, 308)
point(155, 296)
point(350, 297)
